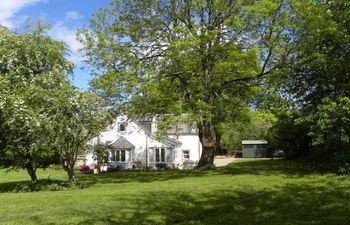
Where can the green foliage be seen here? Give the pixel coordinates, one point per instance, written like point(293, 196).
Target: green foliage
point(45, 185)
point(291, 136)
point(44, 119)
point(76, 117)
point(203, 59)
point(32, 69)
point(341, 162)
point(311, 94)
point(319, 80)
point(100, 152)
point(252, 125)
point(331, 115)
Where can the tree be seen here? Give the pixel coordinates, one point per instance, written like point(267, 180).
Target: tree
point(32, 69)
point(318, 80)
point(192, 57)
point(76, 117)
point(100, 153)
point(250, 125)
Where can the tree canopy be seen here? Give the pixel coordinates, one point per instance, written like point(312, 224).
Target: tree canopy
point(77, 117)
point(318, 73)
point(44, 119)
point(201, 58)
point(32, 69)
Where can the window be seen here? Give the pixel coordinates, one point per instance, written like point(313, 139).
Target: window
point(160, 154)
point(121, 127)
point(185, 154)
point(118, 155)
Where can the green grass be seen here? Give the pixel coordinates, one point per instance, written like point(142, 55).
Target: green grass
point(275, 192)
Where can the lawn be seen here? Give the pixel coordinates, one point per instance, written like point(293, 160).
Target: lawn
point(275, 192)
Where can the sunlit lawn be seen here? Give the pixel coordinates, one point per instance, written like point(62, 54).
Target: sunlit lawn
point(272, 192)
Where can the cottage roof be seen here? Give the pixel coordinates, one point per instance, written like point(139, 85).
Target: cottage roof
point(122, 143)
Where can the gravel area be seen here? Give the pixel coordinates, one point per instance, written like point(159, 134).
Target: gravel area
point(223, 161)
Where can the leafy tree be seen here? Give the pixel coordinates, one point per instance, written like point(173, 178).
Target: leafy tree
point(32, 69)
point(76, 117)
point(193, 57)
point(100, 153)
point(330, 120)
point(319, 79)
point(290, 135)
point(250, 125)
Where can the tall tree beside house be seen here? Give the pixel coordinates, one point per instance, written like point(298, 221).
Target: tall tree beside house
point(32, 69)
point(76, 117)
point(193, 57)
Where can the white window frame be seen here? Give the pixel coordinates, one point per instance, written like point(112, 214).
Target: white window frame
point(160, 156)
point(185, 154)
point(121, 125)
point(117, 155)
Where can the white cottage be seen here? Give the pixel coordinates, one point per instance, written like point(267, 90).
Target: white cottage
point(135, 144)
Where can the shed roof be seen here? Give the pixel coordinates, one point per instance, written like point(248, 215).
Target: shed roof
point(254, 142)
point(122, 143)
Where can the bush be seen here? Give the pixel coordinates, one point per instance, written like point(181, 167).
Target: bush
point(342, 163)
point(85, 169)
point(44, 185)
point(161, 166)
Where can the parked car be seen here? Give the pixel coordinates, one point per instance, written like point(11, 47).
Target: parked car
point(278, 153)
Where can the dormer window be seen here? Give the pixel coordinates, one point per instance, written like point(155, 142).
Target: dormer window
point(121, 127)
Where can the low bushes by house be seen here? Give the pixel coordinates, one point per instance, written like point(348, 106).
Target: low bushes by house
point(85, 169)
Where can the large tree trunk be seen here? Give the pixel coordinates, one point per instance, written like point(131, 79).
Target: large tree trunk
point(32, 172)
point(205, 133)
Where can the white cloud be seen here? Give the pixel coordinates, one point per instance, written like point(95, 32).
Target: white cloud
point(8, 9)
point(62, 32)
point(73, 15)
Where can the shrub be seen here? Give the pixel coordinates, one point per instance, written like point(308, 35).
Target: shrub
point(342, 163)
point(45, 185)
point(161, 166)
point(85, 169)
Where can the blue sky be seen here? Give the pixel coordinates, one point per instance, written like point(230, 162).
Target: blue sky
point(65, 16)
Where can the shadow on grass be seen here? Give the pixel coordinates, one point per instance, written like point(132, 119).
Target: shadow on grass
point(238, 167)
point(289, 168)
point(290, 204)
point(41, 185)
point(137, 176)
point(86, 180)
point(11, 186)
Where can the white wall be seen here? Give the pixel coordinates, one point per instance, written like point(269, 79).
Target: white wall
point(137, 137)
point(133, 133)
point(191, 143)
